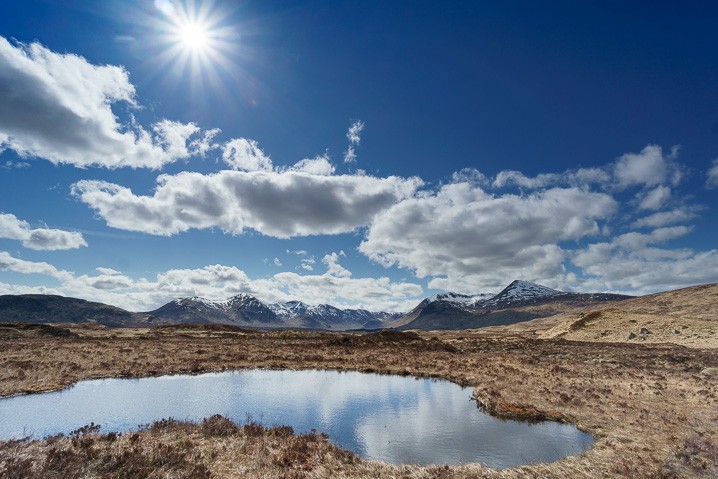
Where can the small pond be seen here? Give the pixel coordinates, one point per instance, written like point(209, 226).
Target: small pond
point(390, 418)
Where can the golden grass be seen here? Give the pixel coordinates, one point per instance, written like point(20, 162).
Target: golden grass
point(651, 410)
point(686, 317)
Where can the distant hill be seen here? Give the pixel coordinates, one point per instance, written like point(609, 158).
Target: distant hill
point(45, 308)
point(520, 301)
point(687, 316)
point(247, 311)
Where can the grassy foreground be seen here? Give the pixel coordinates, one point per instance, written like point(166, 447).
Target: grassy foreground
point(653, 409)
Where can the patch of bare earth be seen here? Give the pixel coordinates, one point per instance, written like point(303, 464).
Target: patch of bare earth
point(652, 408)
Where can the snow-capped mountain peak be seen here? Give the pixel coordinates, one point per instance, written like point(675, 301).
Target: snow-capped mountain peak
point(450, 297)
point(247, 310)
point(520, 291)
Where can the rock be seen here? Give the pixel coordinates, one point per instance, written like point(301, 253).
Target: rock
point(644, 331)
point(631, 335)
point(675, 331)
point(710, 372)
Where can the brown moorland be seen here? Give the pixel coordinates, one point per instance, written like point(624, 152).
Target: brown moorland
point(687, 317)
point(653, 408)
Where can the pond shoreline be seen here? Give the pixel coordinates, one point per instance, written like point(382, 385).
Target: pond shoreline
point(440, 423)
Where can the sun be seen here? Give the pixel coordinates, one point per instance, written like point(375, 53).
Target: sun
point(194, 41)
point(193, 36)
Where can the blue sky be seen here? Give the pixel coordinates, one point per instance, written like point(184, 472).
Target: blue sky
point(363, 154)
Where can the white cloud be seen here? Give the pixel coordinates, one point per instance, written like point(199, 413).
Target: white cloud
point(336, 286)
point(307, 264)
point(473, 240)
point(350, 155)
point(471, 176)
point(282, 205)
point(10, 263)
point(277, 262)
point(38, 238)
point(319, 165)
point(632, 263)
point(504, 178)
point(650, 167)
point(246, 155)
point(655, 198)
point(354, 132)
point(354, 137)
point(583, 177)
point(59, 107)
point(712, 181)
point(663, 218)
point(107, 271)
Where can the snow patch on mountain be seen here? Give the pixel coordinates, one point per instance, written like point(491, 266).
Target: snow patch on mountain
point(520, 291)
point(245, 309)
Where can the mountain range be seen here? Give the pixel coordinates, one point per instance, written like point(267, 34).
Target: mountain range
point(519, 301)
point(246, 310)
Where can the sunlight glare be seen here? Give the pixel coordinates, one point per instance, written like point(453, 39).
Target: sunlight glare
point(193, 36)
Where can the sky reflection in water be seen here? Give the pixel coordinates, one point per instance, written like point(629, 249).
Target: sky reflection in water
point(390, 418)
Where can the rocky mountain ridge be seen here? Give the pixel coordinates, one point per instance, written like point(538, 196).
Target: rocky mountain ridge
point(519, 301)
point(246, 310)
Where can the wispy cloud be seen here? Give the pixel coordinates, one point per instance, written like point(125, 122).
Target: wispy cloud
point(354, 137)
point(712, 180)
point(354, 132)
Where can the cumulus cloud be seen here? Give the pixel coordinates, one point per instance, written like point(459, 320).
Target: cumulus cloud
point(282, 205)
point(336, 286)
point(319, 165)
point(712, 180)
point(38, 238)
point(650, 167)
point(632, 262)
point(471, 239)
point(59, 107)
point(246, 155)
point(17, 265)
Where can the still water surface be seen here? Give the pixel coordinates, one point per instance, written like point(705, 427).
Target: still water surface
point(391, 418)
